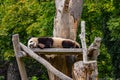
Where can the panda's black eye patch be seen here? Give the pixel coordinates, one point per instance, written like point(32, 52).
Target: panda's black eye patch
point(31, 41)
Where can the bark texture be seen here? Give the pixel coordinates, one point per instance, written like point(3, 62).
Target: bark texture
point(83, 71)
point(67, 17)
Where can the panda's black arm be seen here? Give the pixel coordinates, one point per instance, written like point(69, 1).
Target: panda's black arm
point(47, 46)
point(49, 43)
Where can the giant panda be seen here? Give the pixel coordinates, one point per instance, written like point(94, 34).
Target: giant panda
point(52, 42)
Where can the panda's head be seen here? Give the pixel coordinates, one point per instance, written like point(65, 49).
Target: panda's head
point(33, 42)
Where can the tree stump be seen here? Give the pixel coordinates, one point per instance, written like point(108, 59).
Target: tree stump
point(83, 71)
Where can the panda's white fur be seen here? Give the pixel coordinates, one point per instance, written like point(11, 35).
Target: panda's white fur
point(55, 42)
point(32, 42)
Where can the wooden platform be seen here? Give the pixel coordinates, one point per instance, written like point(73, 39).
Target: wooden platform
point(59, 51)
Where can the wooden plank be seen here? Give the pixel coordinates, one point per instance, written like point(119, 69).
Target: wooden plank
point(45, 63)
point(15, 40)
point(58, 51)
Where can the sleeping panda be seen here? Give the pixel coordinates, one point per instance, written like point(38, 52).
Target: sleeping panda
point(52, 42)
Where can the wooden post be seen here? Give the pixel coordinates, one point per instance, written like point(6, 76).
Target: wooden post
point(83, 41)
point(15, 40)
point(84, 47)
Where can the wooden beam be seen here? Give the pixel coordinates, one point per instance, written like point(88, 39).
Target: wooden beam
point(58, 51)
point(45, 63)
point(84, 47)
point(83, 41)
point(15, 40)
point(55, 51)
point(21, 54)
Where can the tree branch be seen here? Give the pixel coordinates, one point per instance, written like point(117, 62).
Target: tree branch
point(93, 49)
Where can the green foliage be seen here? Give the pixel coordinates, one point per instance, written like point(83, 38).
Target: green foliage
point(112, 39)
point(1, 77)
point(34, 78)
point(114, 27)
point(104, 63)
point(93, 13)
point(42, 78)
point(114, 43)
point(26, 18)
point(35, 70)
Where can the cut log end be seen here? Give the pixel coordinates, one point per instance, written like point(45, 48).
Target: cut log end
point(83, 71)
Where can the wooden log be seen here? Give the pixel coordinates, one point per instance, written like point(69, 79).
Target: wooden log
point(83, 71)
point(45, 63)
point(15, 40)
point(58, 51)
point(21, 54)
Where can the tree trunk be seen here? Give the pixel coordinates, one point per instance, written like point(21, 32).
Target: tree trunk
point(66, 22)
point(67, 17)
point(13, 72)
